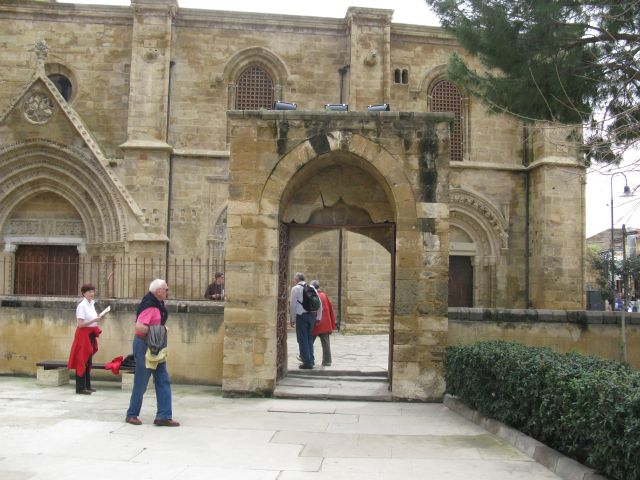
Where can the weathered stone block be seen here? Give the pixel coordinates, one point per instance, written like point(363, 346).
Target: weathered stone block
point(53, 377)
point(126, 382)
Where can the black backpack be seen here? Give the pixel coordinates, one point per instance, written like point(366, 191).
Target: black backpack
point(310, 299)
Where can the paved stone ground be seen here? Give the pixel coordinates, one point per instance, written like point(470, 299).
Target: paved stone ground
point(358, 370)
point(365, 353)
point(52, 433)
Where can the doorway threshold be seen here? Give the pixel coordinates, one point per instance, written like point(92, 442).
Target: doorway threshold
point(317, 384)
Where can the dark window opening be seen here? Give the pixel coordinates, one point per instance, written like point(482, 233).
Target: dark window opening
point(254, 89)
point(63, 84)
point(445, 97)
point(405, 76)
point(397, 76)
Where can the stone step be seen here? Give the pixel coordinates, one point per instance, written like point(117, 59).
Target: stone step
point(332, 378)
point(316, 372)
point(334, 388)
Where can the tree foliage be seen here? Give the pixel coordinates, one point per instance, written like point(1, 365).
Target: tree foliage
point(601, 264)
point(568, 61)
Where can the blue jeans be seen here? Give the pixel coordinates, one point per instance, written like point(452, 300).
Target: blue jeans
point(304, 326)
point(141, 380)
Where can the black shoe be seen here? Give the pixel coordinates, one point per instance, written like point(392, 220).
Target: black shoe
point(304, 366)
point(84, 392)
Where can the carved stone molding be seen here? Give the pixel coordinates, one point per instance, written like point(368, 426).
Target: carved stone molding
point(43, 166)
point(482, 210)
point(37, 108)
point(45, 227)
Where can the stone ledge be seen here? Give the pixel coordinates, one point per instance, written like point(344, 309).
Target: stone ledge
point(503, 315)
point(560, 464)
point(117, 305)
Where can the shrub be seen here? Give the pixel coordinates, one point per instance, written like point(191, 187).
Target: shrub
point(584, 407)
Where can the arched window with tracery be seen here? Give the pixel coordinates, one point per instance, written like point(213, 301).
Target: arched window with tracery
point(254, 89)
point(446, 97)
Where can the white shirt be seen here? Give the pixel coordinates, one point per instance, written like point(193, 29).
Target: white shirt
point(86, 310)
point(296, 302)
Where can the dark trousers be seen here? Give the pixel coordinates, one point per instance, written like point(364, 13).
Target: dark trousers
point(84, 382)
point(304, 325)
point(326, 347)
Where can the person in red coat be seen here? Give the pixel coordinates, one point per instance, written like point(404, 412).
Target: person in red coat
point(85, 341)
point(326, 325)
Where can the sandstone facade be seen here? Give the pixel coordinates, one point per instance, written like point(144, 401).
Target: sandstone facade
point(137, 155)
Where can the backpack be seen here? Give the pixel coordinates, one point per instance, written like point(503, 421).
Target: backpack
point(310, 299)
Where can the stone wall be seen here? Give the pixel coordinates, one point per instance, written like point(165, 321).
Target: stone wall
point(274, 154)
point(152, 85)
point(367, 273)
point(587, 332)
point(366, 267)
point(34, 330)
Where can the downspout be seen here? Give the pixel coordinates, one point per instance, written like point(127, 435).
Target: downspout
point(386, 75)
point(527, 189)
point(170, 189)
point(342, 71)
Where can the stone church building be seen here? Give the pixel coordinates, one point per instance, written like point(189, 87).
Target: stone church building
point(148, 132)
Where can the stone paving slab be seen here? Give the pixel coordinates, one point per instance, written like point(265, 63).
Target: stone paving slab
point(49, 433)
point(365, 353)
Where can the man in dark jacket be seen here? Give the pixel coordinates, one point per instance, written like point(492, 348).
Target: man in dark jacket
point(151, 311)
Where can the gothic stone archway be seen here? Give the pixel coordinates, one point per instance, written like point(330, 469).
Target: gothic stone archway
point(408, 154)
point(335, 207)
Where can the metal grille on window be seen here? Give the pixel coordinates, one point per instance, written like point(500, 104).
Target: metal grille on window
point(445, 97)
point(254, 89)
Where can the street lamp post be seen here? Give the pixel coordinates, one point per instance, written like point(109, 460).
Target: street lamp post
point(626, 193)
point(623, 339)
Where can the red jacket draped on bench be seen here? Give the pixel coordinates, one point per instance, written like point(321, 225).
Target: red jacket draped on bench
point(82, 348)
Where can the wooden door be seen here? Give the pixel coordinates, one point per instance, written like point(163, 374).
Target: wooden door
point(460, 282)
point(46, 270)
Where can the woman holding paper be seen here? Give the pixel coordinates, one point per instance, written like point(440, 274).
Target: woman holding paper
point(85, 342)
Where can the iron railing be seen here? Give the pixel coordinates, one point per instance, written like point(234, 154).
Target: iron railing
point(187, 278)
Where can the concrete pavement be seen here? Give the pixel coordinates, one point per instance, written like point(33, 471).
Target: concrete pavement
point(52, 433)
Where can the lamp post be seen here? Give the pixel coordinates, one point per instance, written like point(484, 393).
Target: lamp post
point(623, 339)
point(626, 193)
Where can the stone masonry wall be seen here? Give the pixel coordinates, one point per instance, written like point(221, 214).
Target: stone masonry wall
point(265, 162)
point(587, 332)
point(35, 330)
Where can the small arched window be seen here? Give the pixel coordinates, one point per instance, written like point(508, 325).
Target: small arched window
point(445, 97)
point(397, 76)
point(405, 76)
point(254, 89)
point(63, 84)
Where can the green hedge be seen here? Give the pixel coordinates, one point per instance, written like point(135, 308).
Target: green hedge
point(584, 407)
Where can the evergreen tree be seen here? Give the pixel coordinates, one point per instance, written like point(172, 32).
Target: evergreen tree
point(569, 61)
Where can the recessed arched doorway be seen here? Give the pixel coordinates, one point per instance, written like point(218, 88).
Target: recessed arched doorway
point(338, 225)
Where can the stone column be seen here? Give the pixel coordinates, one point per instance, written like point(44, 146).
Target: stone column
point(146, 152)
point(369, 46)
point(422, 278)
point(557, 221)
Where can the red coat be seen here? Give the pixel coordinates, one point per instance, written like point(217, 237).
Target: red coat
point(82, 348)
point(328, 322)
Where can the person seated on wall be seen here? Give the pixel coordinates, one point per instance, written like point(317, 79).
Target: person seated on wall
point(215, 291)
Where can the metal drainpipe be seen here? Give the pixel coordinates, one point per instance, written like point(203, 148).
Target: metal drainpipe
point(342, 71)
point(340, 240)
point(527, 189)
point(170, 189)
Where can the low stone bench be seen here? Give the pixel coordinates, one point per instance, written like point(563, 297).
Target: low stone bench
point(54, 373)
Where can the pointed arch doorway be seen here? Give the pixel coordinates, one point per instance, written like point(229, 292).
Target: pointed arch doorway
point(337, 224)
point(293, 234)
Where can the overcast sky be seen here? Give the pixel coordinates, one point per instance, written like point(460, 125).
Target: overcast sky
point(626, 210)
